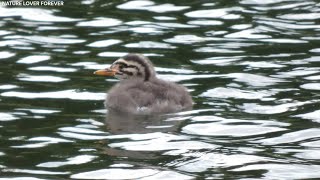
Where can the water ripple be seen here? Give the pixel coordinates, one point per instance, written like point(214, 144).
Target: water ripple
point(232, 127)
point(314, 116)
point(150, 44)
point(275, 109)
point(117, 173)
point(158, 142)
point(7, 117)
point(30, 171)
point(39, 142)
point(201, 162)
point(33, 59)
point(221, 92)
point(34, 14)
point(65, 94)
point(5, 54)
point(51, 68)
point(81, 159)
point(150, 6)
point(311, 86)
point(28, 77)
point(292, 137)
point(104, 43)
point(215, 13)
point(251, 67)
point(54, 40)
point(100, 22)
point(254, 80)
point(281, 170)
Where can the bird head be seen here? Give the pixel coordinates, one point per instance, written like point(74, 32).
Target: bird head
point(130, 66)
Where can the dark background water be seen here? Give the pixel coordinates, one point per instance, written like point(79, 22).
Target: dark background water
point(251, 66)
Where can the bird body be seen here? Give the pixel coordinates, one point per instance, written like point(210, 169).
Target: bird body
point(140, 91)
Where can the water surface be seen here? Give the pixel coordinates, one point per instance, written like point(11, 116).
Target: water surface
point(251, 67)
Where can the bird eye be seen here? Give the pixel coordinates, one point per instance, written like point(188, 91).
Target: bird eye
point(122, 65)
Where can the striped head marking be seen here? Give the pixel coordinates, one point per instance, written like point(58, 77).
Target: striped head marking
point(133, 66)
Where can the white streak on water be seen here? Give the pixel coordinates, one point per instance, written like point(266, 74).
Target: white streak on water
point(65, 94)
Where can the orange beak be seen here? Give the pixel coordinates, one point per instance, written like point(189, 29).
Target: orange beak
point(106, 72)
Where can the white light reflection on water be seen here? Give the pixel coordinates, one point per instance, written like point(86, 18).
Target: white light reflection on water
point(272, 109)
point(54, 69)
point(104, 43)
point(314, 116)
point(8, 86)
point(142, 173)
point(121, 54)
point(255, 80)
point(33, 59)
point(5, 54)
point(39, 142)
point(27, 77)
point(232, 127)
point(7, 117)
point(214, 129)
point(201, 162)
point(205, 22)
point(311, 86)
point(248, 33)
point(150, 6)
point(65, 94)
point(48, 40)
point(150, 44)
point(34, 172)
point(39, 111)
point(100, 22)
point(214, 13)
point(158, 142)
point(221, 92)
point(81, 159)
point(177, 78)
point(292, 137)
point(186, 39)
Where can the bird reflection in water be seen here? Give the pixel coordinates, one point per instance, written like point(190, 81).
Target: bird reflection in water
point(124, 123)
point(122, 126)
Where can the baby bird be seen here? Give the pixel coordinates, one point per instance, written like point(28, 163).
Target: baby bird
point(140, 91)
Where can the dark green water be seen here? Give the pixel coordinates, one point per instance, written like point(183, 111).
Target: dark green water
point(251, 66)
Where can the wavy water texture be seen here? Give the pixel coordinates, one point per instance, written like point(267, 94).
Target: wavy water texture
point(250, 65)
